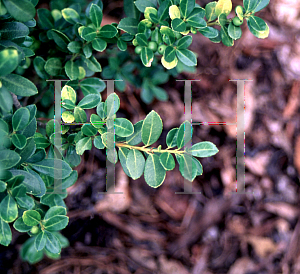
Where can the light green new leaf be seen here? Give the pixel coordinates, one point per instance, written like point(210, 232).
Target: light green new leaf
point(187, 57)
point(136, 137)
point(72, 70)
point(55, 168)
point(5, 233)
point(31, 217)
point(68, 117)
point(123, 127)
point(186, 7)
point(19, 141)
point(52, 244)
point(68, 93)
point(53, 66)
point(8, 209)
point(19, 85)
point(203, 149)
point(152, 128)
point(9, 61)
point(167, 161)
point(111, 105)
point(210, 11)
point(89, 101)
point(184, 134)
point(96, 15)
point(135, 163)
point(83, 144)
point(70, 15)
point(147, 56)
point(258, 27)
point(154, 172)
point(223, 6)
point(40, 241)
point(22, 11)
point(174, 12)
point(20, 119)
point(80, 115)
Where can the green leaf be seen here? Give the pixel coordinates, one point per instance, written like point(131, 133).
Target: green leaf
point(23, 200)
point(111, 105)
point(141, 39)
point(45, 18)
point(40, 241)
point(19, 141)
point(39, 66)
point(186, 7)
point(53, 200)
point(93, 64)
point(55, 211)
point(129, 25)
point(187, 57)
point(203, 149)
point(72, 70)
point(261, 4)
point(99, 44)
point(184, 42)
point(55, 223)
point(52, 244)
point(174, 12)
point(39, 155)
point(210, 11)
point(48, 166)
point(168, 35)
point(223, 6)
point(53, 66)
point(20, 226)
point(198, 166)
point(67, 93)
point(226, 39)
point(9, 158)
point(20, 119)
point(89, 101)
point(2, 186)
point(163, 10)
point(147, 57)
point(70, 15)
point(178, 25)
point(167, 161)
point(96, 15)
point(187, 167)
point(108, 31)
point(130, 9)
point(183, 136)
point(123, 152)
point(5, 233)
point(123, 127)
point(169, 54)
point(71, 180)
point(20, 10)
point(102, 107)
point(41, 183)
point(19, 85)
point(96, 121)
point(68, 117)
point(135, 163)
point(250, 5)
point(209, 32)
point(143, 4)
point(29, 253)
point(8, 209)
point(80, 115)
point(152, 128)
point(258, 27)
point(234, 32)
point(154, 172)
point(13, 30)
point(75, 46)
point(88, 50)
point(92, 85)
point(8, 61)
point(196, 20)
point(60, 39)
point(98, 142)
point(83, 144)
point(31, 217)
point(89, 130)
point(41, 141)
point(6, 101)
point(136, 137)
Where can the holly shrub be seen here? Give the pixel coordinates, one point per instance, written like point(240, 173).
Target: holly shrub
point(64, 44)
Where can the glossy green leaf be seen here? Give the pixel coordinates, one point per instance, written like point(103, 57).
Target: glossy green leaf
point(154, 172)
point(19, 141)
point(45, 18)
point(70, 15)
point(108, 31)
point(169, 54)
point(20, 226)
point(39, 155)
point(89, 101)
point(203, 149)
point(99, 44)
point(40, 141)
point(121, 45)
point(20, 118)
point(8, 209)
point(53, 66)
point(89, 130)
point(13, 30)
point(39, 66)
point(195, 19)
point(187, 57)
point(53, 200)
point(88, 50)
point(8, 61)
point(234, 32)
point(5, 233)
point(68, 93)
point(142, 40)
point(167, 161)
point(60, 39)
point(136, 137)
point(111, 105)
point(187, 167)
point(88, 34)
point(55, 211)
point(171, 139)
point(80, 115)
point(40, 241)
point(210, 13)
point(93, 64)
point(92, 85)
point(2, 186)
point(96, 15)
point(209, 32)
point(38, 178)
point(98, 142)
point(48, 166)
point(258, 27)
point(96, 121)
point(135, 163)
point(9, 158)
point(29, 253)
point(20, 10)
point(226, 39)
point(186, 7)
point(198, 166)
point(143, 4)
point(261, 4)
point(23, 200)
point(19, 85)
point(152, 128)
point(123, 127)
point(223, 7)
point(129, 25)
point(75, 46)
point(52, 244)
point(55, 223)
point(31, 217)
point(71, 180)
point(184, 134)
point(184, 42)
point(6, 101)
point(123, 152)
point(83, 144)
point(178, 25)
point(147, 56)
point(72, 70)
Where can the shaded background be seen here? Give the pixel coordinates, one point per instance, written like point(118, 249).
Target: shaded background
point(148, 230)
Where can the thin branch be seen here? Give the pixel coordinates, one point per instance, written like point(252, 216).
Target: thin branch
point(16, 102)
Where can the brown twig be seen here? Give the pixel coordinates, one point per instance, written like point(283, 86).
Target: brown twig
point(16, 102)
